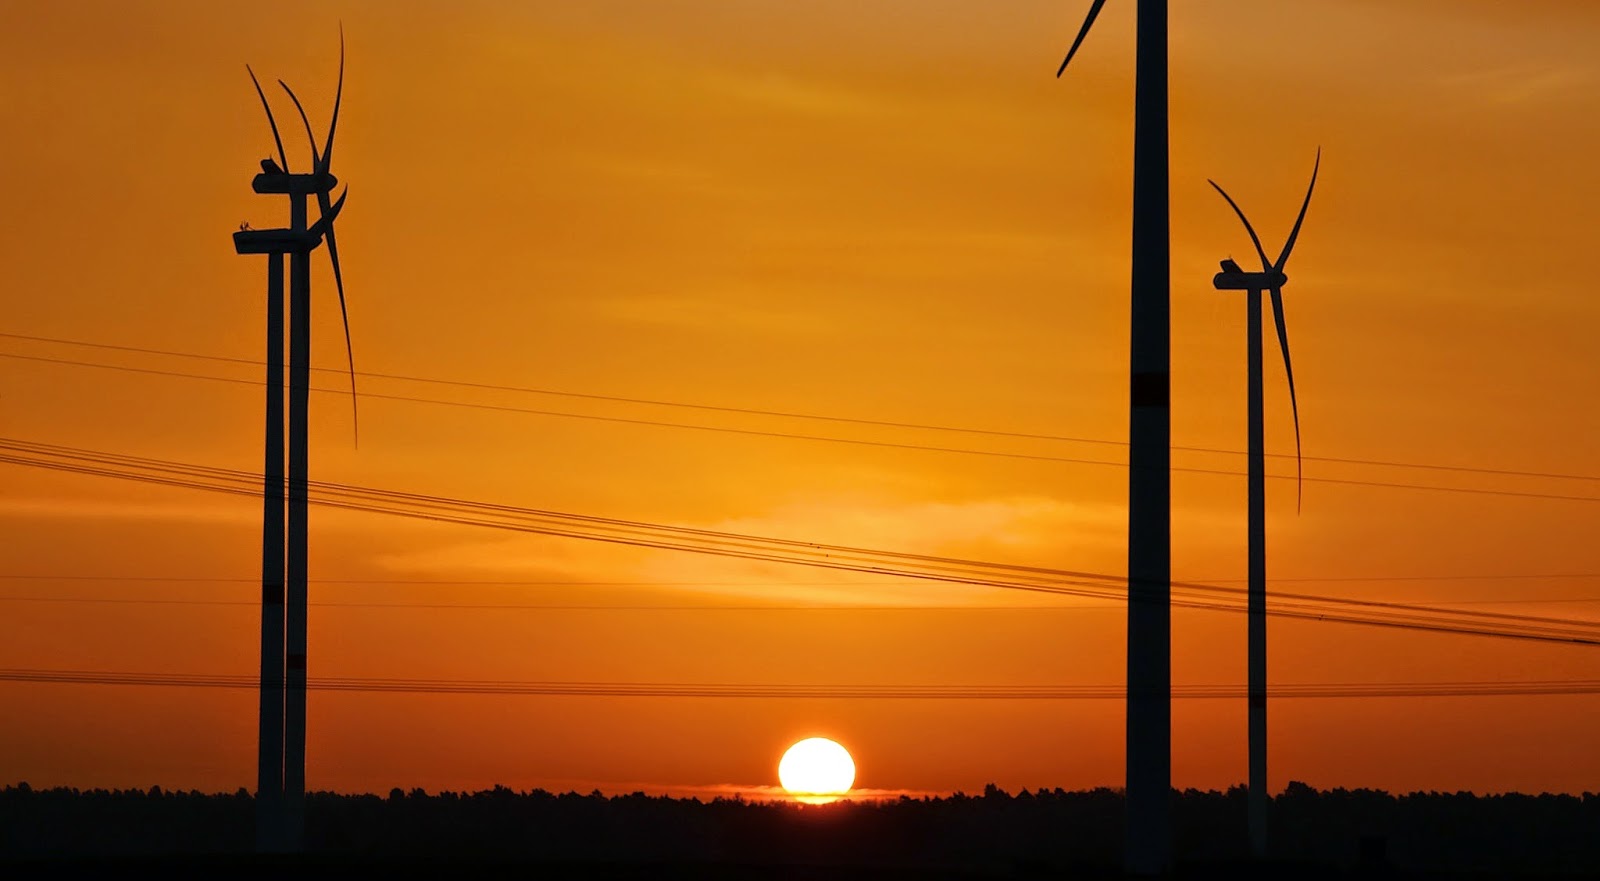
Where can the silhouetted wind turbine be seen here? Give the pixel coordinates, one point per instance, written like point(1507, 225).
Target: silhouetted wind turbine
point(1270, 278)
point(1147, 841)
point(281, 757)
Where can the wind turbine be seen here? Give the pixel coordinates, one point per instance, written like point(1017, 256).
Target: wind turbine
point(1147, 842)
point(280, 814)
point(1270, 278)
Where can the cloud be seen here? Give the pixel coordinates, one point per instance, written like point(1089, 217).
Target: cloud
point(1521, 84)
point(772, 91)
point(760, 792)
point(727, 312)
point(1034, 530)
point(112, 509)
point(514, 556)
point(1020, 526)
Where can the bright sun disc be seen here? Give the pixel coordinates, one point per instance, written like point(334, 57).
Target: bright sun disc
point(817, 770)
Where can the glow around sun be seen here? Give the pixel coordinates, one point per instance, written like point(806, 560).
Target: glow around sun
point(817, 770)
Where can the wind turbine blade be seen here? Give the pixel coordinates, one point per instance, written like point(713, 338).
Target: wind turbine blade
point(1082, 32)
point(323, 229)
point(338, 281)
point(323, 165)
point(1295, 233)
point(325, 222)
point(1254, 239)
point(316, 160)
point(283, 160)
point(1288, 369)
point(327, 150)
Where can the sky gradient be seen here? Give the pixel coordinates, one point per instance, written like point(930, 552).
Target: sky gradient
point(884, 210)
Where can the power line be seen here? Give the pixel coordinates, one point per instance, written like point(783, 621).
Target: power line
point(611, 523)
point(742, 545)
point(168, 579)
point(679, 607)
point(654, 423)
point(790, 414)
point(567, 607)
point(1330, 579)
point(813, 554)
point(436, 582)
point(460, 582)
point(748, 432)
point(1507, 688)
point(784, 414)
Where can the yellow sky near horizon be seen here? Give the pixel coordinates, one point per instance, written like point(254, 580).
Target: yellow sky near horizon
point(881, 210)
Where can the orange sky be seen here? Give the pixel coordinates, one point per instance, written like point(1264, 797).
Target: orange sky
point(883, 210)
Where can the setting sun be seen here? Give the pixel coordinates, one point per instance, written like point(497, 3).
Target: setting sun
point(817, 770)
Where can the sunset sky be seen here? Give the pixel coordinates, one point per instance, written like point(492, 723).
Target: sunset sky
point(875, 209)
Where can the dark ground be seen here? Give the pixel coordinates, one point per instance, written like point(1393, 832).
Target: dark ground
point(1046, 834)
point(246, 868)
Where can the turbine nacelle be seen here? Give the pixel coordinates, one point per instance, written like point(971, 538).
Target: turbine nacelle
point(1237, 280)
point(287, 241)
point(274, 241)
point(284, 184)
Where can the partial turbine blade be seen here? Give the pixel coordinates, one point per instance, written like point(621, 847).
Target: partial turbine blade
point(1288, 369)
point(325, 222)
point(338, 281)
point(323, 165)
point(316, 160)
point(323, 228)
point(327, 150)
point(1254, 239)
point(1082, 32)
point(283, 161)
point(1295, 233)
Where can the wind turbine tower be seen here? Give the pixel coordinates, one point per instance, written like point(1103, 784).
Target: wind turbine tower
point(1270, 278)
point(1147, 842)
point(280, 783)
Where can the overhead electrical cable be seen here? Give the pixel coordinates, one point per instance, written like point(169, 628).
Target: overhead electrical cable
point(813, 554)
point(1506, 688)
point(750, 432)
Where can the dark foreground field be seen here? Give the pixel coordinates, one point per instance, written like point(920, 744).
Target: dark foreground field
point(504, 834)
